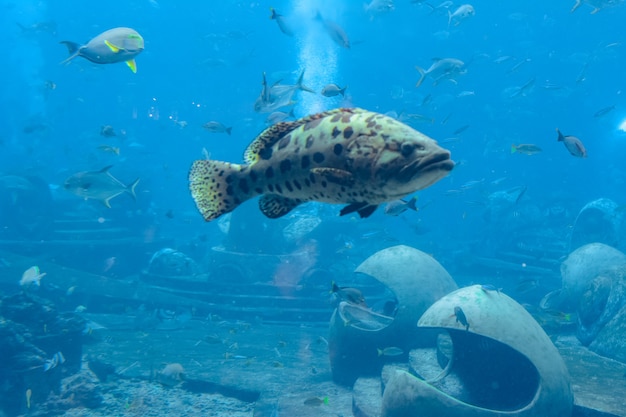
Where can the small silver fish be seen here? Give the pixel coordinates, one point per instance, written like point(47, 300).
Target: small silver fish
point(217, 127)
point(332, 90)
point(461, 13)
point(32, 276)
point(281, 21)
point(526, 149)
point(573, 145)
point(56, 360)
point(279, 116)
point(336, 32)
point(379, 6)
point(604, 111)
point(446, 68)
point(390, 351)
point(397, 207)
point(107, 131)
point(597, 4)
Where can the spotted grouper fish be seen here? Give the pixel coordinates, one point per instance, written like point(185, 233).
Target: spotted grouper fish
point(344, 156)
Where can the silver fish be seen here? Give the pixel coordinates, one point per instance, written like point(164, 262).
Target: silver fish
point(379, 6)
point(278, 95)
point(336, 32)
point(390, 351)
point(461, 13)
point(597, 4)
point(281, 21)
point(279, 116)
point(115, 45)
point(99, 185)
point(344, 156)
point(56, 360)
point(573, 144)
point(446, 68)
point(397, 207)
point(217, 127)
point(332, 90)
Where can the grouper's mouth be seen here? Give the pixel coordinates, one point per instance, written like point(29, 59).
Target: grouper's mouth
point(435, 165)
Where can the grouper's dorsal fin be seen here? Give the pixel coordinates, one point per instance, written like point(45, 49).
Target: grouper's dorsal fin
point(260, 148)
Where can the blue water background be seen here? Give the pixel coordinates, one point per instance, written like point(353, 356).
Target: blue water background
point(178, 79)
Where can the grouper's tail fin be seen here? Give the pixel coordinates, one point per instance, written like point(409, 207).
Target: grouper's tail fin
point(73, 48)
point(217, 187)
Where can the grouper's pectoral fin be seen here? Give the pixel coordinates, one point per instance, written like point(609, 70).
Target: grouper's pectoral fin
point(335, 175)
point(364, 209)
point(275, 206)
point(132, 65)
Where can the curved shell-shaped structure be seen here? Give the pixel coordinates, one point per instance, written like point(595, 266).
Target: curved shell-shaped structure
point(417, 280)
point(598, 221)
point(502, 363)
point(583, 265)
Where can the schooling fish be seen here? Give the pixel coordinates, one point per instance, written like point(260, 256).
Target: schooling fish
point(460, 317)
point(397, 207)
point(390, 351)
point(446, 68)
point(281, 21)
point(32, 276)
point(332, 90)
point(461, 13)
point(217, 127)
point(336, 32)
point(56, 360)
point(98, 185)
point(115, 45)
point(348, 294)
point(573, 145)
point(526, 149)
point(344, 156)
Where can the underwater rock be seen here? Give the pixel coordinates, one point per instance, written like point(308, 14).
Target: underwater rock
point(599, 304)
point(100, 369)
point(301, 227)
point(583, 265)
point(502, 362)
point(169, 262)
point(80, 390)
point(356, 333)
point(602, 314)
point(32, 333)
point(611, 340)
point(598, 221)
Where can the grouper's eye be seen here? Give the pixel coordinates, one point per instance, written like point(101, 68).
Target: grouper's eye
point(407, 149)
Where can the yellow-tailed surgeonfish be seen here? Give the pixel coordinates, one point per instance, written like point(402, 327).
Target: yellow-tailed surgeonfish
point(115, 45)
